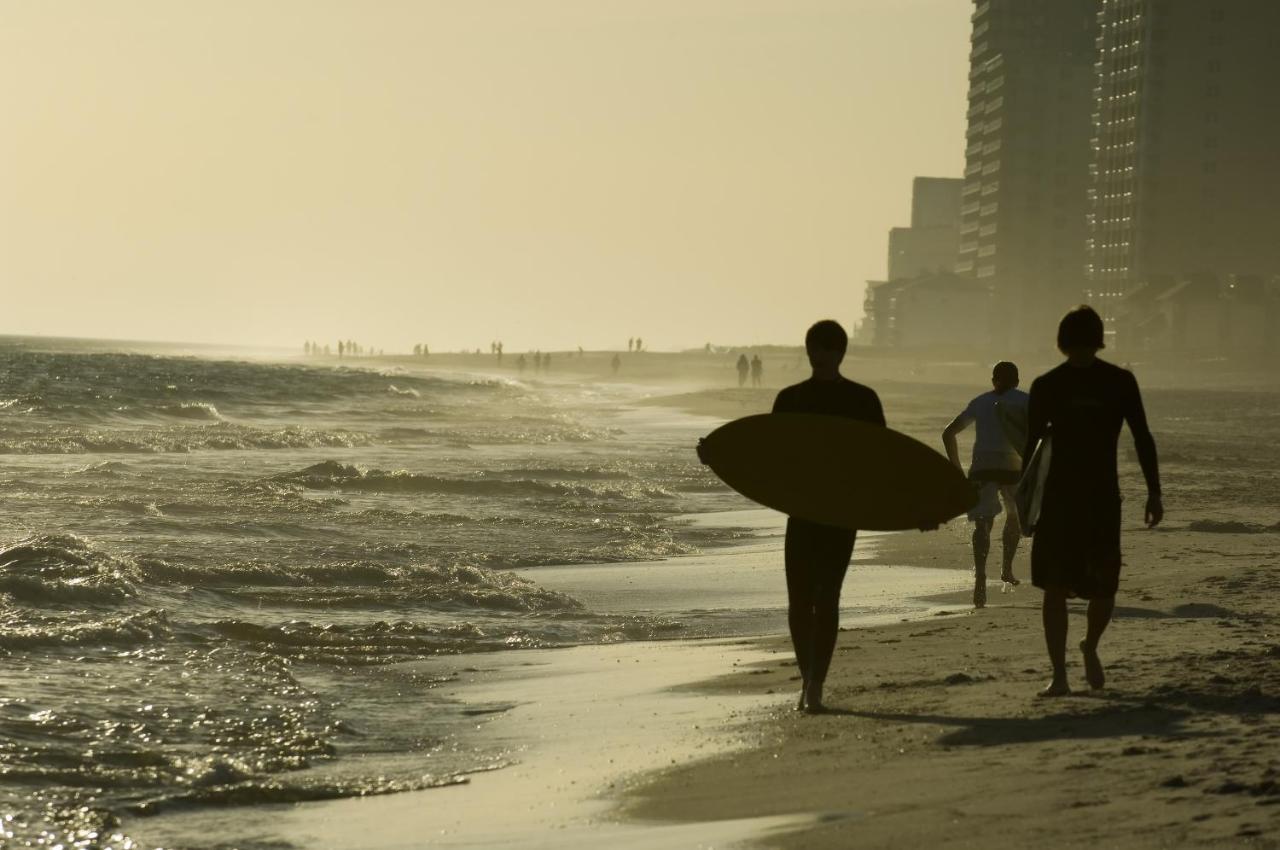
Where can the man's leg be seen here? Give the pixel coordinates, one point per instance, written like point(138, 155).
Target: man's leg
point(1012, 533)
point(1054, 615)
point(981, 549)
point(798, 554)
point(829, 575)
point(1099, 617)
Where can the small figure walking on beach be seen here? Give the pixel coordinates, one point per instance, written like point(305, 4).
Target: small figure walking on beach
point(1000, 416)
point(1075, 550)
point(615, 363)
point(757, 371)
point(743, 368)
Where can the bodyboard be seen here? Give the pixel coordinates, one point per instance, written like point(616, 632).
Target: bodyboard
point(1030, 493)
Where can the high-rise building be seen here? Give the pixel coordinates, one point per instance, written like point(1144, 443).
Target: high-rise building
point(931, 242)
point(1024, 203)
point(1187, 142)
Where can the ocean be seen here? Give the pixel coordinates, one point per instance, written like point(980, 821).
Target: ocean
point(211, 569)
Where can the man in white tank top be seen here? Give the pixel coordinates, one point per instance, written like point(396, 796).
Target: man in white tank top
point(1001, 420)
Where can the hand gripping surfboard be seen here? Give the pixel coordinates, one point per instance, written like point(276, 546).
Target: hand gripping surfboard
point(837, 471)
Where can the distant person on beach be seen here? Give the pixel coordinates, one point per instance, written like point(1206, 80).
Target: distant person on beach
point(744, 367)
point(639, 345)
point(1000, 416)
point(631, 342)
point(616, 363)
point(757, 370)
point(520, 364)
point(1075, 550)
point(817, 556)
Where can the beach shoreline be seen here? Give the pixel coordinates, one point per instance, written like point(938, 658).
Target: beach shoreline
point(1177, 752)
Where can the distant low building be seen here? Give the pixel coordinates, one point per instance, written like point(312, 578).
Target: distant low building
point(932, 241)
point(942, 310)
point(1200, 315)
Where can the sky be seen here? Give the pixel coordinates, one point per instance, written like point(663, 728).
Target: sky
point(551, 173)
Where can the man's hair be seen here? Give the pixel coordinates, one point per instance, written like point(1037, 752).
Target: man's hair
point(826, 335)
point(1005, 372)
point(1080, 328)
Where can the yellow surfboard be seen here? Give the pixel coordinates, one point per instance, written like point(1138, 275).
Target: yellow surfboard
point(838, 471)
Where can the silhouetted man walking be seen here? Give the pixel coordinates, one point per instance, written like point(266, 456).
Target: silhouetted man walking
point(1076, 548)
point(817, 556)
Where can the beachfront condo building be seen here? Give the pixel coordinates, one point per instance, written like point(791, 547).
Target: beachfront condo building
point(1024, 202)
point(1186, 127)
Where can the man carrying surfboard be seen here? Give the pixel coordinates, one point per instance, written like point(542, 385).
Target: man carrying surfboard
point(1076, 546)
point(1000, 416)
point(816, 555)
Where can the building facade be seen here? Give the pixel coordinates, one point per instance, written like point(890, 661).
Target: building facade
point(1024, 202)
point(931, 242)
point(1186, 144)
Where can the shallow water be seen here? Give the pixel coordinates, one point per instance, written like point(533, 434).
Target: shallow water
point(208, 568)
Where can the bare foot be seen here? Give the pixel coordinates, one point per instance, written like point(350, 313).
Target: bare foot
point(980, 594)
point(1008, 578)
point(800, 705)
point(812, 697)
point(1056, 688)
point(1093, 672)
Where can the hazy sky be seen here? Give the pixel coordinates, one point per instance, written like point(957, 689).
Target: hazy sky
point(547, 172)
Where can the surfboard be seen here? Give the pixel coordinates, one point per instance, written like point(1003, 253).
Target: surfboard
point(837, 471)
point(1030, 493)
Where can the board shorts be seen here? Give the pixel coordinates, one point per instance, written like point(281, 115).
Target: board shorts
point(1076, 546)
point(994, 486)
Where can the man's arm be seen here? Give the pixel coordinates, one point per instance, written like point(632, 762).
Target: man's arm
point(1145, 444)
point(949, 437)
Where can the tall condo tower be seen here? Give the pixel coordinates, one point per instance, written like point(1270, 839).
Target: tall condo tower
point(1024, 203)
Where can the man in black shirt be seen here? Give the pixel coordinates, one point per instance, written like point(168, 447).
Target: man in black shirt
point(1076, 548)
point(817, 556)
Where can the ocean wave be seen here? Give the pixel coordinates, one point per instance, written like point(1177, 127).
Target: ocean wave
point(128, 630)
point(55, 569)
point(408, 392)
point(222, 436)
point(99, 386)
point(289, 790)
point(365, 585)
point(338, 476)
point(197, 410)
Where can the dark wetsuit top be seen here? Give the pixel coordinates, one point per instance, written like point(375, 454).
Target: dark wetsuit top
point(840, 397)
point(1077, 539)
